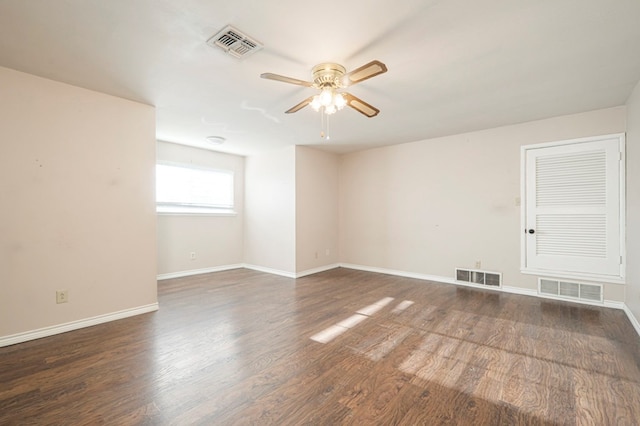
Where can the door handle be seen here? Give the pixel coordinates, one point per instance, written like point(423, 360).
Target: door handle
point(532, 231)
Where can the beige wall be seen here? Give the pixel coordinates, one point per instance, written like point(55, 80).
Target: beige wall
point(270, 222)
point(78, 211)
point(633, 203)
point(77, 197)
point(428, 207)
point(316, 209)
point(216, 240)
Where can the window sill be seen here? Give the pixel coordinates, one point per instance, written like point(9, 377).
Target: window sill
point(194, 211)
point(196, 214)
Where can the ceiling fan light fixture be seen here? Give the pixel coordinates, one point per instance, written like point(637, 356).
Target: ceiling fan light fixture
point(326, 97)
point(315, 103)
point(328, 101)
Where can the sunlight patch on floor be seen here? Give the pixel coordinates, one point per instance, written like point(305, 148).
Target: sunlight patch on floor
point(330, 333)
point(402, 306)
point(372, 309)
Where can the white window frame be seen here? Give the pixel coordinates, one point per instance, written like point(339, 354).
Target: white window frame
point(620, 278)
point(169, 208)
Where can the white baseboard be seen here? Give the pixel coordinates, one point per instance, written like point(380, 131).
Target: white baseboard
point(519, 290)
point(613, 304)
point(287, 274)
point(398, 273)
point(181, 274)
point(632, 318)
point(270, 270)
point(75, 325)
point(317, 270)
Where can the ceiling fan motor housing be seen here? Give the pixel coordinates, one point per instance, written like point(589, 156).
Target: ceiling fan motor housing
point(328, 74)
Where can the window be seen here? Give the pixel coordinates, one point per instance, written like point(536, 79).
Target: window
point(192, 190)
point(573, 209)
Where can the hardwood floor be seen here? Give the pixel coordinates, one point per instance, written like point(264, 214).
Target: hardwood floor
point(339, 347)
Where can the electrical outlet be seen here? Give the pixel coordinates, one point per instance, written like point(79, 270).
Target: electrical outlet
point(478, 264)
point(327, 252)
point(62, 296)
point(192, 256)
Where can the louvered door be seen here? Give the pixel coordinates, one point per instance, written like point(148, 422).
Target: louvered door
point(572, 208)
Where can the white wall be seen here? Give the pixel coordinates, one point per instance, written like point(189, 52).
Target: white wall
point(270, 209)
point(316, 209)
point(430, 206)
point(633, 203)
point(216, 240)
point(77, 197)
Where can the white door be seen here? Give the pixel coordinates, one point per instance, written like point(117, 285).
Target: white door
point(572, 208)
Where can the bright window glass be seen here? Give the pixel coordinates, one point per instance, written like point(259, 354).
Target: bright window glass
point(182, 189)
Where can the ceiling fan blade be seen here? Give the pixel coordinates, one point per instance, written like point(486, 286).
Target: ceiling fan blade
point(364, 72)
point(361, 106)
point(282, 78)
point(299, 106)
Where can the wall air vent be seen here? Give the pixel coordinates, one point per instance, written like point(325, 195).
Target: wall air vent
point(474, 276)
point(570, 290)
point(235, 42)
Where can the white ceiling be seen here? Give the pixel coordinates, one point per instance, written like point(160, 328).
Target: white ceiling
point(454, 65)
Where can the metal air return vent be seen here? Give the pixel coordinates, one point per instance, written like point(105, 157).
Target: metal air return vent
point(235, 42)
point(570, 290)
point(474, 276)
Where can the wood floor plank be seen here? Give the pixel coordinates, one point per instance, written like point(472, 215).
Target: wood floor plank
point(237, 347)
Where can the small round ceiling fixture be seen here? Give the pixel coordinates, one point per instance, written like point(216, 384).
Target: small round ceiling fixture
point(215, 140)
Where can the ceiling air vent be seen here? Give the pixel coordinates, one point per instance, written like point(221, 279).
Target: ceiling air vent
point(235, 42)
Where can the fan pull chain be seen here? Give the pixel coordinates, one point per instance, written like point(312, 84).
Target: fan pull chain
point(327, 128)
point(322, 123)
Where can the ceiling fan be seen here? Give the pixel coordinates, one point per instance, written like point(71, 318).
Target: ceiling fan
point(330, 78)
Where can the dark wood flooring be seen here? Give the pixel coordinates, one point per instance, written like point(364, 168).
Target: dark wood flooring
point(243, 347)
